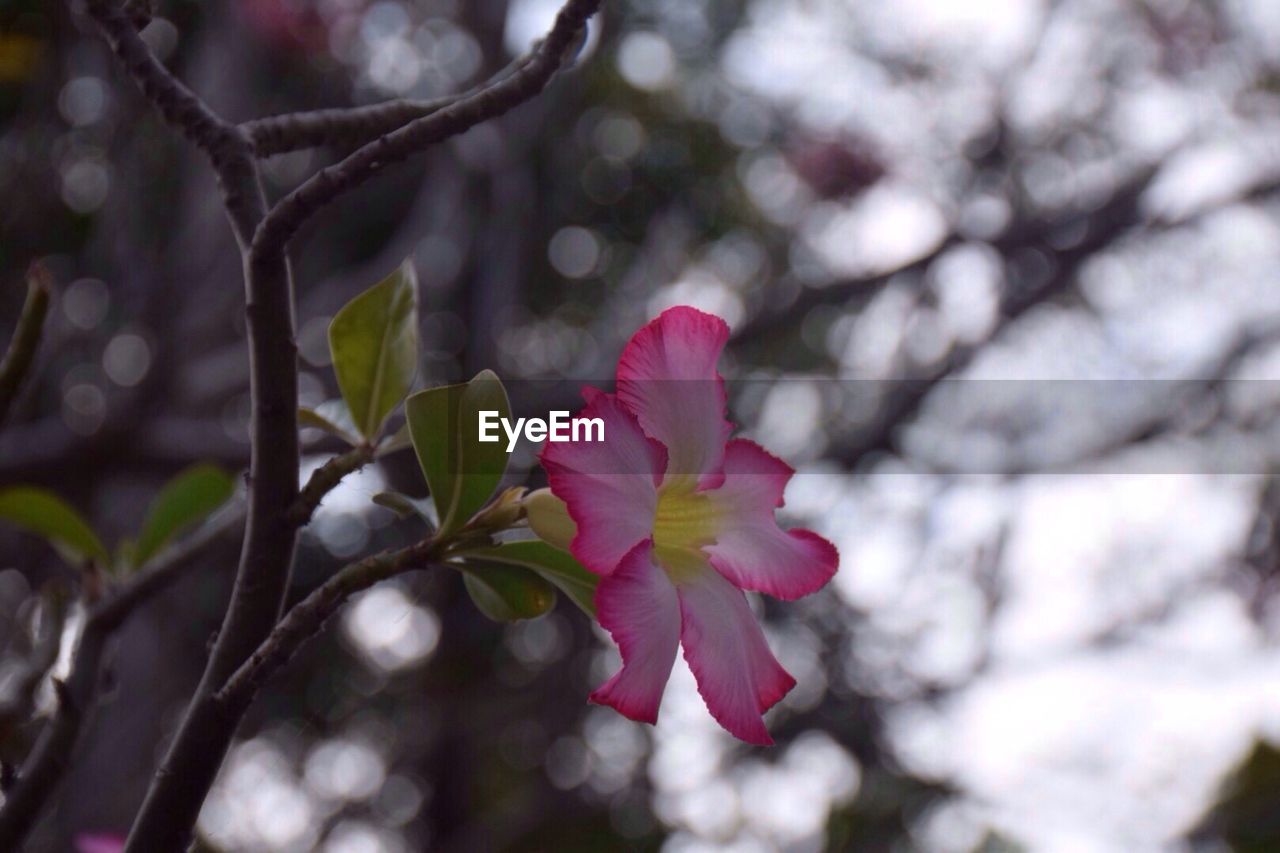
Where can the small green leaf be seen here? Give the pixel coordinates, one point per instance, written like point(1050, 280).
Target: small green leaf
point(405, 506)
point(461, 471)
point(43, 513)
point(400, 440)
point(332, 417)
point(507, 593)
point(552, 564)
point(374, 344)
point(186, 500)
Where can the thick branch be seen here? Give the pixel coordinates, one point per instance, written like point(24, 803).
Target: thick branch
point(305, 619)
point(26, 338)
point(489, 102)
point(179, 788)
point(50, 758)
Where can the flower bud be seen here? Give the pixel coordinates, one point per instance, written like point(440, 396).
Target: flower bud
point(549, 518)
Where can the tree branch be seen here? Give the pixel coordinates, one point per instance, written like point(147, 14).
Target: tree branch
point(26, 338)
point(339, 127)
point(50, 758)
point(266, 559)
point(493, 100)
point(324, 478)
point(305, 619)
point(179, 106)
point(350, 127)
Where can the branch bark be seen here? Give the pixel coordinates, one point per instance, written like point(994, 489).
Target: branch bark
point(350, 127)
point(324, 478)
point(266, 560)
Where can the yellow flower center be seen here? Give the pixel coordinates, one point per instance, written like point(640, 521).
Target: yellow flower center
point(685, 520)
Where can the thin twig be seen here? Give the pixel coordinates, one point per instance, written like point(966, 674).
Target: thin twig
point(26, 338)
point(489, 102)
point(305, 619)
point(324, 478)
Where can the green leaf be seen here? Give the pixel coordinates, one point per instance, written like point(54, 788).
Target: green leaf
point(405, 506)
point(461, 471)
point(400, 440)
point(507, 593)
point(552, 564)
point(332, 417)
point(374, 344)
point(43, 513)
point(186, 500)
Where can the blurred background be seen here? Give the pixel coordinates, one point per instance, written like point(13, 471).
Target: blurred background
point(1002, 278)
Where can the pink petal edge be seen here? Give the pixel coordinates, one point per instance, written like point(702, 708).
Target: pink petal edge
point(638, 606)
point(751, 550)
point(737, 675)
point(667, 376)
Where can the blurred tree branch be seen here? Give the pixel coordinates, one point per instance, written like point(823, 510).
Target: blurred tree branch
point(26, 338)
point(51, 756)
point(1100, 229)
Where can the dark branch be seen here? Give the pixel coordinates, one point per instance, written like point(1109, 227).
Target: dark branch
point(489, 102)
point(179, 106)
point(348, 127)
point(26, 338)
point(324, 478)
point(340, 128)
point(266, 560)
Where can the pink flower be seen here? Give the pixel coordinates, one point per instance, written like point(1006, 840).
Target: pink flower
point(678, 520)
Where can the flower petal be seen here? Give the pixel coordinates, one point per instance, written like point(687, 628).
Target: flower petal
point(638, 606)
point(609, 486)
point(667, 375)
point(737, 675)
point(750, 549)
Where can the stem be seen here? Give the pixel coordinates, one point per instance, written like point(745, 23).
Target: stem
point(305, 619)
point(324, 478)
point(26, 338)
point(178, 790)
